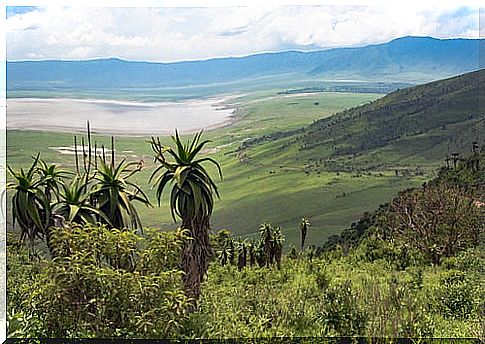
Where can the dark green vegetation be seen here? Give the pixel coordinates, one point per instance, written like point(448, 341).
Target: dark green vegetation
point(422, 123)
point(424, 120)
point(408, 59)
point(105, 282)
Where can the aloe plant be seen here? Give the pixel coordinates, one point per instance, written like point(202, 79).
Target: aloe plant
point(51, 176)
point(191, 199)
point(113, 194)
point(74, 203)
point(31, 208)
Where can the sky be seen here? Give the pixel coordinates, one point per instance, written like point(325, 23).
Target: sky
point(167, 34)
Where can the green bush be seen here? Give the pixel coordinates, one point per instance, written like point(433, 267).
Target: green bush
point(341, 313)
point(109, 283)
point(22, 270)
point(456, 295)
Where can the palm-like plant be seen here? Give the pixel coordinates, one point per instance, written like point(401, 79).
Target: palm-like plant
point(277, 241)
point(265, 244)
point(223, 255)
point(270, 246)
point(304, 224)
point(242, 255)
point(74, 203)
point(51, 176)
point(191, 200)
point(30, 206)
point(252, 254)
point(112, 195)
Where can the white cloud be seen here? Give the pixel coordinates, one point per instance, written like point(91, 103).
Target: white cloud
point(171, 34)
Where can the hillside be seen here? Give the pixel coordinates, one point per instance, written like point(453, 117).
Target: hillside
point(422, 123)
point(410, 59)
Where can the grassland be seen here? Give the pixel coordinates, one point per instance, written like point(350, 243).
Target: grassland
point(263, 183)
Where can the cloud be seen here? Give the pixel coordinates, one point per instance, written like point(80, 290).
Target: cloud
point(173, 34)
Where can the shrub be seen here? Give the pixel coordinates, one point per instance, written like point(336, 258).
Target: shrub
point(109, 283)
point(22, 270)
point(456, 295)
point(341, 312)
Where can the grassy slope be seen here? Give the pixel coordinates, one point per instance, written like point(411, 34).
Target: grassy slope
point(422, 123)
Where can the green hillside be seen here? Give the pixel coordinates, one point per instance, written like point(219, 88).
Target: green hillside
point(423, 124)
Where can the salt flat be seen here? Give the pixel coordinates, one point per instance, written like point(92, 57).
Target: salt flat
point(117, 117)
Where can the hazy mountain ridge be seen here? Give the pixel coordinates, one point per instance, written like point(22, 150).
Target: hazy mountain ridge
point(407, 58)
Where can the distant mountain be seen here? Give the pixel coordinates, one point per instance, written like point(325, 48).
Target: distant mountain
point(410, 59)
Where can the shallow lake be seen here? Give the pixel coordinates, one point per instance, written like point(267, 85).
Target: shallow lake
point(117, 117)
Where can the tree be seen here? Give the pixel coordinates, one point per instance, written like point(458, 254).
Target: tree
point(191, 200)
point(270, 246)
point(265, 244)
point(438, 219)
point(277, 241)
point(303, 229)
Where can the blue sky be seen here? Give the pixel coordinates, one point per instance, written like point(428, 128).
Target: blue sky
point(173, 34)
point(13, 10)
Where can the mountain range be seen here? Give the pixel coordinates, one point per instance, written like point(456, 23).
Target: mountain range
point(406, 59)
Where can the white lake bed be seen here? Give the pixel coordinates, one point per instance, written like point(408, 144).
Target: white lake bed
point(116, 117)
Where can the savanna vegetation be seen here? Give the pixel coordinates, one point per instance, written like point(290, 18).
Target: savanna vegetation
point(412, 268)
point(82, 261)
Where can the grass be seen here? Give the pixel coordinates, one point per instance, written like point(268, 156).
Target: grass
point(272, 186)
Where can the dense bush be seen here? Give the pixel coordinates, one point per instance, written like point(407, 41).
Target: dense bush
point(316, 298)
point(22, 270)
point(340, 312)
point(106, 283)
point(456, 295)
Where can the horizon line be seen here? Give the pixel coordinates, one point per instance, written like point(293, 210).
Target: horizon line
point(270, 52)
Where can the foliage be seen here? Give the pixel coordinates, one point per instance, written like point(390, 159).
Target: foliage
point(439, 220)
point(191, 199)
point(22, 272)
point(456, 295)
point(433, 222)
point(268, 251)
point(43, 198)
point(74, 203)
point(31, 208)
point(107, 283)
point(112, 196)
point(192, 193)
point(51, 175)
point(308, 299)
point(341, 312)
